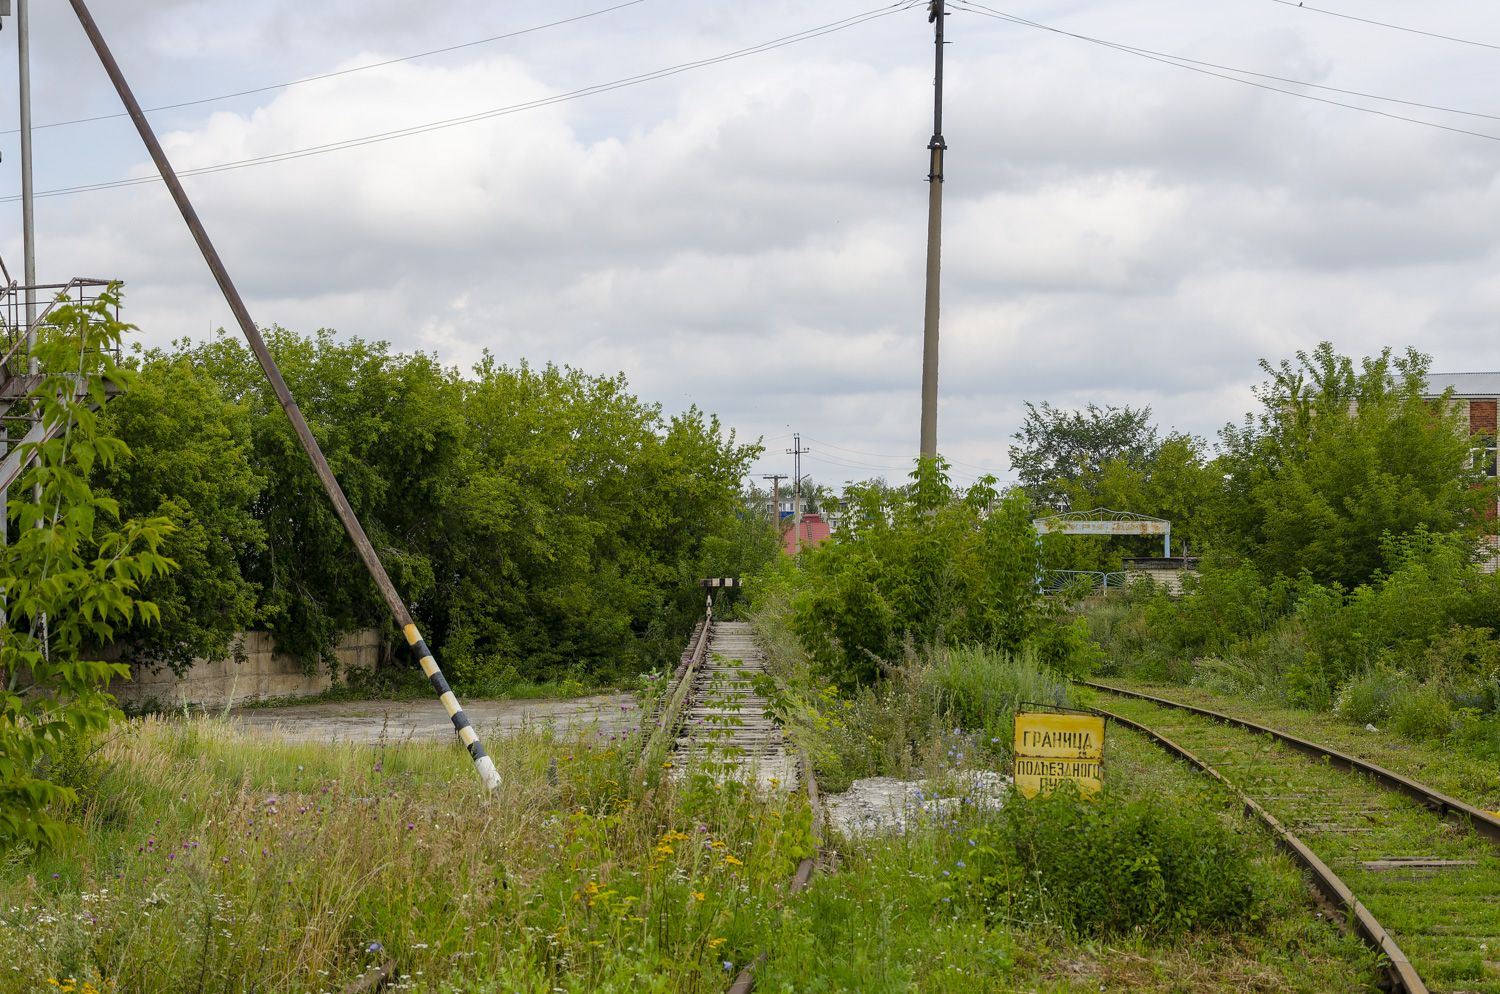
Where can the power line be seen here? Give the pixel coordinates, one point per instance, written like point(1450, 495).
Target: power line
point(1393, 27)
point(339, 72)
point(887, 455)
point(858, 452)
point(1316, 86)
point(838, 462)
point(1199, 67)
point(807, 35)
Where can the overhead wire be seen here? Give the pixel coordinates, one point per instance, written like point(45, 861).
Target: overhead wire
point(776, 43)
point(839, 463)
point(1208, 69)
point(887, 455)
point(1393, 27)
point(336, 72)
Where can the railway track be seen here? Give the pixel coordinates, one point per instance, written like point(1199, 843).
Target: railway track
point(712, 716)
point(723, 720)
point(1418, 873)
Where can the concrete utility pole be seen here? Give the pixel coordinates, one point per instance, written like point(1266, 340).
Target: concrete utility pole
point(796, 452)
point(936, 13)
point(775, 479)
point(26, 228)
point(28, 221)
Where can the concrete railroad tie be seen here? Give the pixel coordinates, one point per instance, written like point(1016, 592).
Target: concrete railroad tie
point(724, 711)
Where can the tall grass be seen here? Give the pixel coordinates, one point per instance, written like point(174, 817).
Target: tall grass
point(980, 690)
point(213, 862)
point(930, 703)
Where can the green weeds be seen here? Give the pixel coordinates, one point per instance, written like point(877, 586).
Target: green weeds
point(1109, 867)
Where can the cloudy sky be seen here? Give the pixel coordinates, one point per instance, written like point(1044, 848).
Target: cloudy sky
point(748, 236)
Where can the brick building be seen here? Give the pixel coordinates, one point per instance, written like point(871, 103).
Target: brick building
point(1477, 396)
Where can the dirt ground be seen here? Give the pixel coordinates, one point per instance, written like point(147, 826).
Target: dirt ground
point(426, 721)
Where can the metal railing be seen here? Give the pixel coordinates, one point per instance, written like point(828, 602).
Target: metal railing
point(15, 328)
point(1054, 581)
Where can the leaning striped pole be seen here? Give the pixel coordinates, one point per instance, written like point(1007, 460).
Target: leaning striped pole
point(466, 734)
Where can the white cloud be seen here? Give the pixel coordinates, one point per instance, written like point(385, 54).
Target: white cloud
point(750, 237)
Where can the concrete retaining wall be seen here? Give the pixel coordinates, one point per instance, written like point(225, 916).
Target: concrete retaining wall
point(261, 672)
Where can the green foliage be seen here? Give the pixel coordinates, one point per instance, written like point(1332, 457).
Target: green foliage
point(1340, 457)
point(1176, 480)
point(583, 523)
point(392, 434)
point(71, 575)
point(932, 699)
point(1438, 708)
point(1225, 604)
point(1058, 448)
point(1412, 649)
point(1110, 866)
point(1427, 587)
point(1112, 457)
point(979, 691)
point(192, 465)
point(922, 564)
point(544, 524)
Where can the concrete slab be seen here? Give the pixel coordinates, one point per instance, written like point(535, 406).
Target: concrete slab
point(886, 804)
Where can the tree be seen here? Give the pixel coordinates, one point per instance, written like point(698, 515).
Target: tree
point(922, 563)
point(540, 522)
point(392, 431)
point(191, 464)
point(72, 573)
point(582, 524)
point(1178, 480)
point(1340, 457)
point(1057, 447)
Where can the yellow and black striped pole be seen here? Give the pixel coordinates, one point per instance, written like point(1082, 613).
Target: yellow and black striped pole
point(466, 734)
point(482, 762)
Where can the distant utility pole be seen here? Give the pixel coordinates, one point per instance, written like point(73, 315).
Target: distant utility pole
point(935, 14)
point(796, 452)
point(775, 479)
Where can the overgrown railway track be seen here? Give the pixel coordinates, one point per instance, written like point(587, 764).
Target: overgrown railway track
point(1417, 872)
point(710, 714)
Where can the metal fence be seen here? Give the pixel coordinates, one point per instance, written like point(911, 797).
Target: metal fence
point(1054, 581)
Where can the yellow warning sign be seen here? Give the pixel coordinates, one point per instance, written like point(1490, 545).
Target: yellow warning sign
point(1052, 748)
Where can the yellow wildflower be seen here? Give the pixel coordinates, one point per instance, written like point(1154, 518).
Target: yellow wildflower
point(698, 894)
point(716, 943)
point(730, 859)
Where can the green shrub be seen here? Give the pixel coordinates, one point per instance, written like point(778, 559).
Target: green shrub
point(73, 562)
point(924, 564)
point(1461, 652)
point(1368, 699)
point(1425, 712)
point(1107, 866)
point(1225, 604)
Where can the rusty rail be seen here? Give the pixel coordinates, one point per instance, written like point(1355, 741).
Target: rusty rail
point(1403, 976)
point(801, 877)
point(665, 714)
point(1483, 822)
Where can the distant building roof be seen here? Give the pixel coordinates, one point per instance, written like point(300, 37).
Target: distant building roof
point(814, 530)
point(1464, 384)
